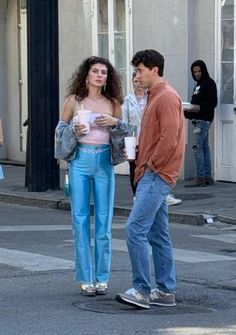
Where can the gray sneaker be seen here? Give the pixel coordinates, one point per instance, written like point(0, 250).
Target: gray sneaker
point(134, 298)
point(160, 298)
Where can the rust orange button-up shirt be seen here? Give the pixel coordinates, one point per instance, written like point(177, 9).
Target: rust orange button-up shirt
point(161, 142)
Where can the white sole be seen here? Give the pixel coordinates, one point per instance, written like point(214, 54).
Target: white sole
point(164, 305)
point(131, 303)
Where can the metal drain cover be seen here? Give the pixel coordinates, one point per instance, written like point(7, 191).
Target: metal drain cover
point(110, 306)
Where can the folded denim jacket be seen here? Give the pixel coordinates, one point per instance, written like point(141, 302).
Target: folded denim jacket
point(66, 141)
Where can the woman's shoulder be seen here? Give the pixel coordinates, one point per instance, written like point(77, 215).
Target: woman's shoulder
point(71, 98)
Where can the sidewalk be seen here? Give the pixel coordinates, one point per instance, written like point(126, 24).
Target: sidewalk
point(218, 200)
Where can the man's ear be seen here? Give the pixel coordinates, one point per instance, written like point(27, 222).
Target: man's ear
point(155, 70)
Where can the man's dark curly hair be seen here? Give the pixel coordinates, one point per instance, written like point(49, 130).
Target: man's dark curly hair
point(77, 83)
point(149, 58)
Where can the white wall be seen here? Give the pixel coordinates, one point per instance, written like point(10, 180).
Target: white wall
point(164, 27)
point(12, 87)
point(201, 46)
point(3, 101)
point(75, 38)
point(183, 31)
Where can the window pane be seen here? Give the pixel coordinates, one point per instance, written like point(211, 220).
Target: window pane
point(120, 40)
point(23, 4)
point(227, 52)
point(103, 45)
point(227, 86)
point(103, 28)
point(227, 9)
point(119, 17)
point(227, 28)
point(102, 16)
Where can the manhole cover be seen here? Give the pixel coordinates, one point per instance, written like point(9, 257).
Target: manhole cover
point(110, 306)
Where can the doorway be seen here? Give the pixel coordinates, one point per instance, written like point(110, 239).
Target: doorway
point(226, 112)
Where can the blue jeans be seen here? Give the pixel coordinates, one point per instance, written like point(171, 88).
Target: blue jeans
point(148, 225)
point(201, 148)
point(92, 169)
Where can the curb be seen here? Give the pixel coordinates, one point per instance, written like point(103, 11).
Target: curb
point(226, 218)
point(28, 201)
point(62, 204)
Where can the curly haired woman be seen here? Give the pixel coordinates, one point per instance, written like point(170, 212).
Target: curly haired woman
point(94, 89)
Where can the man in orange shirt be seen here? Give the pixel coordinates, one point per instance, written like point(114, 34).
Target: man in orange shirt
point(158, 163)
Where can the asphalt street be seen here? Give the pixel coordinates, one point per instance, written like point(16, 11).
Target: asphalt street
point(38, 294)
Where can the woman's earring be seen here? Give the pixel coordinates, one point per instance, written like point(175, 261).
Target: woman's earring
point(104, 88)
point(86, 82)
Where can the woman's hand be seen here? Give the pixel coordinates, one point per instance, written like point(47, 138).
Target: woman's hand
point(105, 120)
point(80, 129)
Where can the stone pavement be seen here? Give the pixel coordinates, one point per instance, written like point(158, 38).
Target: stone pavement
point(198, 204)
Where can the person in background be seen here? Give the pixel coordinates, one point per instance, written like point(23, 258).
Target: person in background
point(158, 164)
point(204, 101)
point(133, 107)
point(95, 87)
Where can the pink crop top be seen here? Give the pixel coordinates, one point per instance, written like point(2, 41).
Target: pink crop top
point(96, 134)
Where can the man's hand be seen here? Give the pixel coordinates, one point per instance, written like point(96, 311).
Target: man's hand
point(126, 157)
point(195, 108)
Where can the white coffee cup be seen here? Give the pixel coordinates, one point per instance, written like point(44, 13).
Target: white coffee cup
point(83, 117)
point(130, 146)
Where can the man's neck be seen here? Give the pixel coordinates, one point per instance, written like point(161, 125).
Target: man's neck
point(155, 82)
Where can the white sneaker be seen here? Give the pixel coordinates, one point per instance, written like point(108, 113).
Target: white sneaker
point(171, 200)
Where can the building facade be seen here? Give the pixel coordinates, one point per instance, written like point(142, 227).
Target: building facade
point(182, 30)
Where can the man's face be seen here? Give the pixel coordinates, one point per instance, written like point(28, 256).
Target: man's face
point(197, 72)
point(144, 75)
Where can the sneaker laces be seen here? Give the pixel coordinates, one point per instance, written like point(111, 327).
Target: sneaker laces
point(137, 295)
point(132, 291)
point(156, 293)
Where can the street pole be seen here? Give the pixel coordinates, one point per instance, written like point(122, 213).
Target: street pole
point(43, 94)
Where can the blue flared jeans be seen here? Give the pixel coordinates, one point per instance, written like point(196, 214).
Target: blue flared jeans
point(148, 225)
point(201, 148)
point(92, 170)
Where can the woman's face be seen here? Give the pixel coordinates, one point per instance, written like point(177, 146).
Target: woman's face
point(137, 86)
point(97, 75)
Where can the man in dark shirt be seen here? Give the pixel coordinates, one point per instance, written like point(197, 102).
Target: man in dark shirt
point(204, 101)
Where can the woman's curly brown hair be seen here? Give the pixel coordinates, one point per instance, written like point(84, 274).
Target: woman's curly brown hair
point(77, 83)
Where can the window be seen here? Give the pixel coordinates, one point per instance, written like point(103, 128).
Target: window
point(227, 51)
point(112, 35)
point(23, 4)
